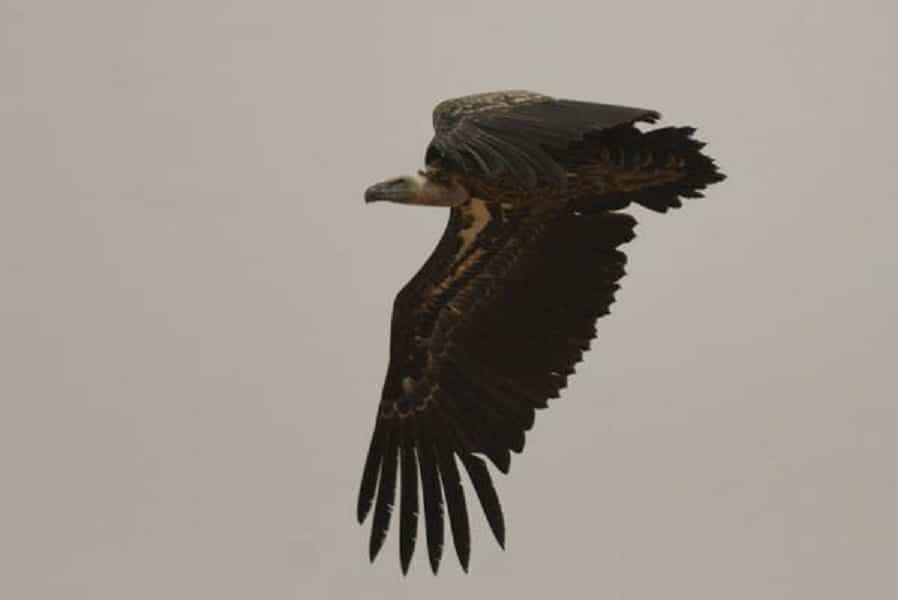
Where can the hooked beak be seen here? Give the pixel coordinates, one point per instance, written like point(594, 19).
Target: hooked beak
point(392, 190)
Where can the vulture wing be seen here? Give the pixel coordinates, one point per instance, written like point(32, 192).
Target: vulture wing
point(512, 134)
point(486, 332)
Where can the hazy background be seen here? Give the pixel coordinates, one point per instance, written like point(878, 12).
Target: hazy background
point(194, 301)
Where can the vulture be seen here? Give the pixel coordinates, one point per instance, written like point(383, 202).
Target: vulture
point(491, 327)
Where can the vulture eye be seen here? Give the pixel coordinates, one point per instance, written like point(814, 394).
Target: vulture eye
point(433, 154)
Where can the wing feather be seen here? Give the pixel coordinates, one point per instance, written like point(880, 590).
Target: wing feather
point(370, 473)
point(386, 492)
point(489, 500)
point(408, 514)
point(432, 494)
point(455, 502)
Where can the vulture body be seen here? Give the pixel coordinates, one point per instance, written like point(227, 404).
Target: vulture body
point(493, 324)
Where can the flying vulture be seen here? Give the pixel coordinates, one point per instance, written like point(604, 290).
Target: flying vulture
point(492, 325)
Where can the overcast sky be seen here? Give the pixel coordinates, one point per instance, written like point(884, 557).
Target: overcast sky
point(194, 300)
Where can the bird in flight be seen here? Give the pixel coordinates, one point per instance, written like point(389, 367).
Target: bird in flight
point(490, 328)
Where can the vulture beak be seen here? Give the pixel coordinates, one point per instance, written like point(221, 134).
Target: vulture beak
point(399, 190)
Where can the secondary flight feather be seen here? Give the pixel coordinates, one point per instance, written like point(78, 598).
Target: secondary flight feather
point(491, 327)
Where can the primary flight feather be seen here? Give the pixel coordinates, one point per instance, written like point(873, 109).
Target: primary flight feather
point(492, 325)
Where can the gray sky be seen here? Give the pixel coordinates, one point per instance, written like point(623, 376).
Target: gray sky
point(195, 301)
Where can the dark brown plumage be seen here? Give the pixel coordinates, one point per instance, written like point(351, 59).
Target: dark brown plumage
point(493, 324)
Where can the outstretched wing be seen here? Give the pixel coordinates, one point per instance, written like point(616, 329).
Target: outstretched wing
point(485, 333)
point(512, 133)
